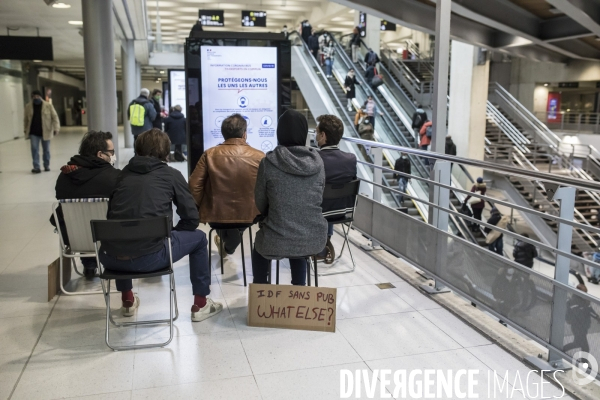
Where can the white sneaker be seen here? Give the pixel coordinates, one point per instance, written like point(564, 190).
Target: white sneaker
point(218, 244)
point(211, 308)
point(128, 308)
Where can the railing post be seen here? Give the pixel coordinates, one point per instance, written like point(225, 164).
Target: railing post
point(438, 217)
point(377, 153)
point(566, 196)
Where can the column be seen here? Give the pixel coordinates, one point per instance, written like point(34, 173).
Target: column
point(138, 78)
point(373, 38)
point(129, 85)
point(100, 75)
point(468, 100)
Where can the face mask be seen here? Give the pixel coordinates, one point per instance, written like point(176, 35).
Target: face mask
point(37, 102)
point(113, 160)
point(157, 97)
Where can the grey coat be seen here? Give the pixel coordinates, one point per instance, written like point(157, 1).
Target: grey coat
point(289, 191)
point(149, 115)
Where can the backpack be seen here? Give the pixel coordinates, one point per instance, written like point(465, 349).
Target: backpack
point(371, 58)
point(377, 81)
point(137, 114)
point(429, 131)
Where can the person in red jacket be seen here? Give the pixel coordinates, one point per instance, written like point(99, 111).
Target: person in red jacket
point(425, 140)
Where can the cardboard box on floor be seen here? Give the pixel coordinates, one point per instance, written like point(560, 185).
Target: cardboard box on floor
point(54, 276)
point(292, 307)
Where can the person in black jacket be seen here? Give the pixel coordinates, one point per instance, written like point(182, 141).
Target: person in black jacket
point(497, 246)
point(402, 165)
point(89, 174)
point(355, 43)
point(350, 85)
point(524, 252)
point(371, 58)
point(340, 167)
point(156, 95)
point(419, 118)
point(148, 187)
point(175, 128)
point(313, 44)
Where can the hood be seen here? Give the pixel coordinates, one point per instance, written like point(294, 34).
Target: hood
point(81, 169)
point(448, 139)
point(292, 129)
point(142, 99)
point(480, 185)
point(176, 115)
point(144, 165)
point(296, 160)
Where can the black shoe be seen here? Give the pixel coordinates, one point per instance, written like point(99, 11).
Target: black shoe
point(46, 169)
point(89, 273)
point(35, 171)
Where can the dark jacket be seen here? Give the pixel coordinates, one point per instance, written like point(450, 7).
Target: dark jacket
point(148, 187)
point(83, 177)
point(175, 127)
point(370, 74)
point(481, 188)
point(524, 253)
point(493, 220)
point(306, 31)
point(149, 115)
point(419, 118)
point(350, 83)
point(355, 39)
point(402, 165)
point(313, 42)
point(450, 147)
point(340, 167)
point(157, 123)
point(373, 57)
point(289, 191)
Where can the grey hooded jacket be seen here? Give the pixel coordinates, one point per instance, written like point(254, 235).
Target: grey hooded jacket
point(289, 191)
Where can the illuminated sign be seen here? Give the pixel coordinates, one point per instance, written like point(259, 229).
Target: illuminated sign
point(387, 26)
point(211, 17)
point(254, 18)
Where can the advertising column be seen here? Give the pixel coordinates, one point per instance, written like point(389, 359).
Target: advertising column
point(240, 80)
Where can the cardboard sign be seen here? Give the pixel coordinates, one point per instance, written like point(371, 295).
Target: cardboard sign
point(54, 276)
point(292, 307)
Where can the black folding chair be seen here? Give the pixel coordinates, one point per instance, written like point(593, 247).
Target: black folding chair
point(127, 231)
point(240, 228)
point(308, 266)
point(344, 217)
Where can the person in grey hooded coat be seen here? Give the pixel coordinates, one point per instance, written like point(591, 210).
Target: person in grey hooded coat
point(288, 194)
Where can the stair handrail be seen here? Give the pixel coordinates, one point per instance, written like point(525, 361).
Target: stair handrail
point(506, 127)
point(412, 47)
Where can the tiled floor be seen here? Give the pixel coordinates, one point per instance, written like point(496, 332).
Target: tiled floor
point(51, 350)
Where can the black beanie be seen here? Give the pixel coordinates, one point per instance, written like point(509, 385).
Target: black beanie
point(292, 129)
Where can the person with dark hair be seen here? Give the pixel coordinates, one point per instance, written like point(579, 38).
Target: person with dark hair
point(285, 32)
point(222, 183)
point(340, 168)
point(355, 43)
point(494, 238)
point(419, 118)
point(89, 174)
point(141, 113)
point(524, 252)
point(477, 205)
point(288, 195)
point(155, 100)
point(175, 128)
point(313, 44)
point(305, 30)
point(147, 187)
point(350, 86)
point(41, 124)
point(402, 164)
point(579, 318)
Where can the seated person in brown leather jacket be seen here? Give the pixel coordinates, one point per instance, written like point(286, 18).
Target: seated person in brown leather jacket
point(223, 181)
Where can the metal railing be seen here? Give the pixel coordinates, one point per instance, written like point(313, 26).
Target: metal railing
point(584, 122)
point(539, 306)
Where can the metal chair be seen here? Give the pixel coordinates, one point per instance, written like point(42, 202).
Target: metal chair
point(308, 266)
point(77, 214)
point(345, 217)
point(128, 231)
point(240, 228)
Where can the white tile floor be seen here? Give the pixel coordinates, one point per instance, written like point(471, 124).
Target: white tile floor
point(51, 350)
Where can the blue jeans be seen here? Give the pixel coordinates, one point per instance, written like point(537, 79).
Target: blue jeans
point(35, 151)
point(329, 229)
point(497, 246)
point(261, 267)
point(402, 183)
point(328, 66)
point(425, 160)
point(182, 243)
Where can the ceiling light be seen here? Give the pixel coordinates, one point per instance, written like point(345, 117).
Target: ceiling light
point(546, 84)
point(76, 22)
point(61, 5)
point(37, 60)
point(159, 79)
point(162, 72)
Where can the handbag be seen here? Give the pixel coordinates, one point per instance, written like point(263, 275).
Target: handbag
point(377, 81)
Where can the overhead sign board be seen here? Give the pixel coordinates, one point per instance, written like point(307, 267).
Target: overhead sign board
point(254, 18)
point(211, 17)
point(387, 26)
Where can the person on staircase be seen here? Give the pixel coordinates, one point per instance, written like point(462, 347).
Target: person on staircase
point(355, 43)
point(477, 205)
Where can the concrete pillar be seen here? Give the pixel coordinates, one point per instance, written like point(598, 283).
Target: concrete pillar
point(138, 78)
point(440, 79)
point(468, 100)
point(373, 38)
point(129, 86)
point(100, 75)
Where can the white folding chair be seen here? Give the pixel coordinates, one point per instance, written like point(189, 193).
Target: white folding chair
point(77, 215)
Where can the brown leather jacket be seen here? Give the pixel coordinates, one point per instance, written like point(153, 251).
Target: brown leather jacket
point(223, 182)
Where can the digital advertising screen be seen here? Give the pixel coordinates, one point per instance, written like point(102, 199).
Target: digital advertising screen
point(254, 18)
point(362, 23)
point(387, 26)
point(211, 17)
point(242, 80)
point(177, 89)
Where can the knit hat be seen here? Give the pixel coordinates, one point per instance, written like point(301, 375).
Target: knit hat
point(480, 180)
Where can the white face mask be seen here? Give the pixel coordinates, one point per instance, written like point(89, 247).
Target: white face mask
point(113, 160)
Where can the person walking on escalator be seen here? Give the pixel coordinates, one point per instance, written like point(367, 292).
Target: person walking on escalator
point(494, 238)
point(370, 73)
point(425, 138)
point(371, 58)
point(402, 165)
point(371, 108)
point(478, 205)
point(305, 30)
point(355, 43)
point(419, 118)
point(350, 85)
point(328, 54)
point(313, 45)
